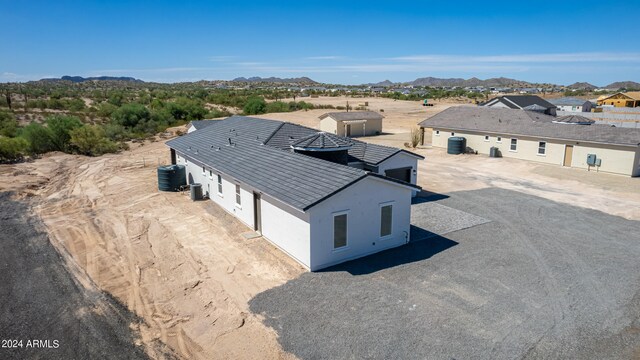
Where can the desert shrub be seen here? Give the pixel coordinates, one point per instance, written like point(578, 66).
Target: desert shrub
point(60, 127)
point(38, 138)
point(416, 135)
point(255, 105)
point(116, 132)
point(277, 106)
point(130, 115)
point(91, 140)
point(217, 113)
point(106, 109)
point(12, 149)
point(8, 124)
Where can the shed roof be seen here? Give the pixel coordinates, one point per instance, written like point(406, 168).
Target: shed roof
point(235, 147)
point(527, 123)
point(352, 115)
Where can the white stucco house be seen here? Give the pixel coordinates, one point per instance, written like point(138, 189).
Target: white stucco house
point(352, 123)
point(321, 198)
point(570, 104)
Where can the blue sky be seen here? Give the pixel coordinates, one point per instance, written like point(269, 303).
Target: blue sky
point(348, 42)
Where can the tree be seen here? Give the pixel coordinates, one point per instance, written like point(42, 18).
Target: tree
point(255, 105)
point(38, 138)
point(130, 115)
point(60, 127)
point(8, 124)
point(91, 140)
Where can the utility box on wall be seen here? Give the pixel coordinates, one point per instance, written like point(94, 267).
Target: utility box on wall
point(591, 159)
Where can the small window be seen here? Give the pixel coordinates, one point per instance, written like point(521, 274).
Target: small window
point(238, 198)
point(339, 231)
point(437, 132)
point(203, 170)
point(386, 220)
point(219, 184)
point(514, 145)
point(453, 134)
point(542, 147)
point(486, 138)
point(210, 174)
point(499, 139)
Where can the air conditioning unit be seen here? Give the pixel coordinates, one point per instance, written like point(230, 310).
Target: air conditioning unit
point(591, 159)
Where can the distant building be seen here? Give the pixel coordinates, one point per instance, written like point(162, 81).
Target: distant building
point(572, 104)
point(571, 141)
point(522, 102)
point(352, 123)
point(628, 99)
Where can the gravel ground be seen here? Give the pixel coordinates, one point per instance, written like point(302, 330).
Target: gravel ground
point(542, 280)
point(40, 300)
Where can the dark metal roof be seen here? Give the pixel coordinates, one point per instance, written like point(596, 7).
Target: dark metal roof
point(521, 101)
point(235, 147)
point(352, 115)
point(527, 123)
point(360, 151)
point(201, 124)
point(322, 141)
point(568, 101)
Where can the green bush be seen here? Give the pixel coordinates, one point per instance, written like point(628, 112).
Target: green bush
point(277, 106)
point(60, 127)
point(130, 115)
point(12, 149)
point(8, 124)
point(38, 138)
point(255, 105)
point(91, 140)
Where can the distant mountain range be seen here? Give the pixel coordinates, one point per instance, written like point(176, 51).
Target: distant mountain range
point(79, 79)
point(256, 79)
point(425, 81)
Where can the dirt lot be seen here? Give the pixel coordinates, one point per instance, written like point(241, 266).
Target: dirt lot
point(181, 266)
point(184, 267)
point(541, 280)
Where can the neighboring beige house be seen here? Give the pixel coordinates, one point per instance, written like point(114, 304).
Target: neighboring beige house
point(352, 123)
point(527, 135)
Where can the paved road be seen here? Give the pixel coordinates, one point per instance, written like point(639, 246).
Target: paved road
point(39, 300)
point(541, 280)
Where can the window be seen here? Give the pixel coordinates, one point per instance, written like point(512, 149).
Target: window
point(486, 138)
point(542, 147)
point(210, 174)
point(386, 220)
point(203, 170)
point(339, 231)
point(514, 145)
point(499, 139)
point(219, 184)
point(238, 198)
point(437, 132)
point(453, 134)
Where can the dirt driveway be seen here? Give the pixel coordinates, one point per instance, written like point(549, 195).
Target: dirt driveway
point(541, 280)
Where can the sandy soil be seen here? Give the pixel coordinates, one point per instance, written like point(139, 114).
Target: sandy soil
point(182, 266)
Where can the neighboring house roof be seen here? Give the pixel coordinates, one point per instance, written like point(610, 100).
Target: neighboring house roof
point(322, 141)
point(201, 124)
point(235, 147)
point(520, 101)
point(527, 123)
point(568, 101)
point(574, 119)
point(635, 95)
point(353, 115)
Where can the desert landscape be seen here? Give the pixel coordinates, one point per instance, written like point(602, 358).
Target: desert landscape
point(185, 267)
